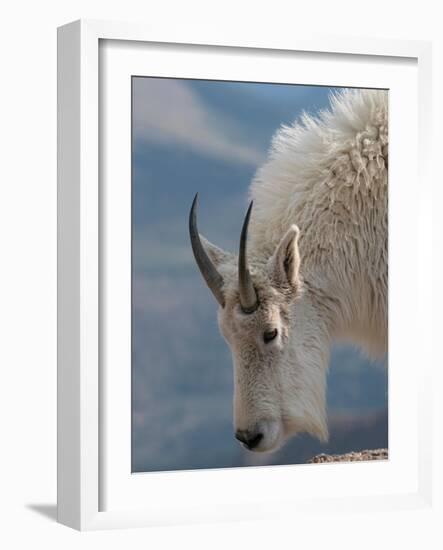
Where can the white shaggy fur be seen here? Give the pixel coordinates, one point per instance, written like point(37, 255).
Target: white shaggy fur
point(328, 175)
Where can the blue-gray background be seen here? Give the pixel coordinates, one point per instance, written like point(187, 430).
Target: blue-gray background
point(209, 136)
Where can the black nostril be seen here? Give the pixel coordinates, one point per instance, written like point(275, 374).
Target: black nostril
point(251, 440)
point(254, 441)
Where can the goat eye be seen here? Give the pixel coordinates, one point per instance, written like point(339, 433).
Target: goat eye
point(269, 335)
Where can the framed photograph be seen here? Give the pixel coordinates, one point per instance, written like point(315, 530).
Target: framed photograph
point(239, 248)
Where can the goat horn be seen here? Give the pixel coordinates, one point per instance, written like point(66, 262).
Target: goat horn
point(248, 296)
point(210, 274)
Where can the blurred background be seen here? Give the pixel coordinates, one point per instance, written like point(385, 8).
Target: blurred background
point(210, 136)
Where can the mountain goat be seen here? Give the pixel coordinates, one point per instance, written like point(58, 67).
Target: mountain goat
point(312, 267)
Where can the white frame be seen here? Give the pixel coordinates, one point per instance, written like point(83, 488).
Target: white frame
point(78, 253)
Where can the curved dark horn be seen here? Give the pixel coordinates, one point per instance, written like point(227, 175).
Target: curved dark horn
point(210, 274)
point(248, 296)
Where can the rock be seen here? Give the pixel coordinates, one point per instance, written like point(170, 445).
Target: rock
point(355, 456)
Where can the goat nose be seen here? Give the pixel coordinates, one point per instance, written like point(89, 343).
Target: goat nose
point(250, 439)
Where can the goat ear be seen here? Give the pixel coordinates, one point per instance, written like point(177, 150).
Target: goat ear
point(284, 264)
point(216, 254)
